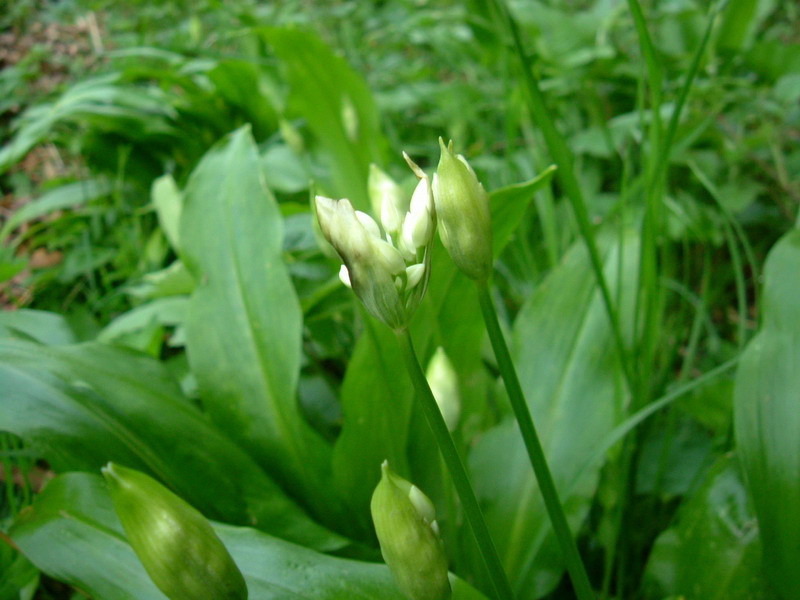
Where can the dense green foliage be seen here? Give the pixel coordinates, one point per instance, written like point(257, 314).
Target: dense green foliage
point(173, 308)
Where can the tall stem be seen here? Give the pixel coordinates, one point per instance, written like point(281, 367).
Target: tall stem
point(455, 466)
point(569, 551)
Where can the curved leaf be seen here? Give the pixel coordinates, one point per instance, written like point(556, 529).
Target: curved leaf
point(85, 405)
point(244, 325)
point(767, 417)
point(713, 552)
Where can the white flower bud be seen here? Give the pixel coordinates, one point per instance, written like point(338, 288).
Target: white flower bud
point(443, 380)
point(414, 275)
point(344, 276)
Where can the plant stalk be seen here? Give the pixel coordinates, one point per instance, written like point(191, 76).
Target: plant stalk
point(566, 542)
point(455, 466)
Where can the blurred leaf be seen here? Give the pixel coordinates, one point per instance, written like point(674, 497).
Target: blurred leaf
point(283, 170)
point(241, 84)
point(767, 416)
point(573, 384)
point(60, 198)
point(174, 280)
point(37, 325)
point(72, 533)
point(713, 552)
point(338, 106)
point(168, 201)
point(244, 326)
point(162, 311)
point(509, 205)
point(20, 577)
point(102, 102)
point(738, 24)
point(82, 406)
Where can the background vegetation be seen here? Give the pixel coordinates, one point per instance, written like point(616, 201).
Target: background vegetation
point(134, 130)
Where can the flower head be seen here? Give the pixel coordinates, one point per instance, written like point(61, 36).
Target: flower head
point(388, 268)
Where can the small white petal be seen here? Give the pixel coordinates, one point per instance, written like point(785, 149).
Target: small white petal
point(414, 275)
point(389, 257)
point(417, 229)
point(421, 198)
point(369, 224)
point(344, 276)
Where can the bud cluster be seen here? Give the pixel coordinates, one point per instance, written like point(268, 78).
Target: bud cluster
point(389, 267)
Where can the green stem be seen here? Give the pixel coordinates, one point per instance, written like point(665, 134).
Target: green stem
point(569, 551)
point(455, 466)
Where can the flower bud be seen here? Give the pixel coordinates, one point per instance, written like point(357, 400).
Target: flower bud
point(409, 537)
point(174, 542)
point(443, 381)
point(462, 207)
point(387, 200)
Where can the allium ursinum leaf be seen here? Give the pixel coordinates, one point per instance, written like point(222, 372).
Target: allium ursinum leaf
point(462, 208)
point(405, 524)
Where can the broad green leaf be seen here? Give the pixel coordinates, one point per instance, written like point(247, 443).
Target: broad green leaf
point(244, 325)
point(338, 106)
point(72, 533)
point(37, 325)
point(713, 551)
point(509, 204)
point(573, 385)
point(767, 416)
point(82, 406)
point(377, 400)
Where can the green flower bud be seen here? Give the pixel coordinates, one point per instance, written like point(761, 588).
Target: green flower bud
point(174, 542)
point(462, 206)
point(443, 380)
point(409, 537)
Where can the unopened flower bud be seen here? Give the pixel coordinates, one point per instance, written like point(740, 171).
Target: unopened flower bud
point(174, 542)
point(409, 537)
point(443, 381)
point(418, 225)
point(387, 200)
point(462, 207)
